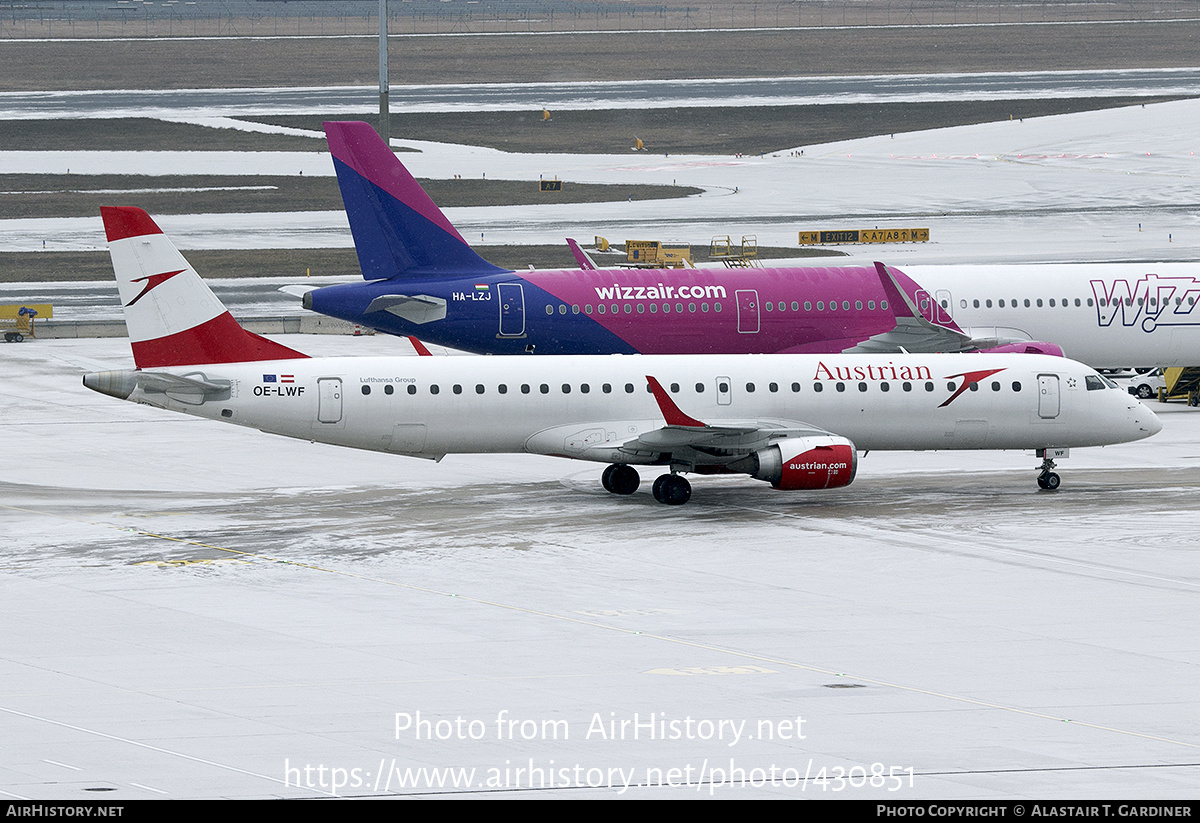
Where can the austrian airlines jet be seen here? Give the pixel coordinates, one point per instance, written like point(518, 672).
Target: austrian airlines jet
point(424, 281)
point(795, 421)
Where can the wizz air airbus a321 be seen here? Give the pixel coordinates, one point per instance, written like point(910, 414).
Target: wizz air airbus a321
point(796, 421)
point(424, 281)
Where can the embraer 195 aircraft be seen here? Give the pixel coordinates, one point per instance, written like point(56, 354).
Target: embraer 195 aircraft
point(424, 281)
point(795, 421)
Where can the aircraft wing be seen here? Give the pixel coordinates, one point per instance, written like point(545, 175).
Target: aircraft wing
point(730, 438)
point(727, 437)
point(913, 332)
point(686, 439)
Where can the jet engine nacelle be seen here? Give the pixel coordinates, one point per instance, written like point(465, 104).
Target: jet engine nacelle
point(816, 462)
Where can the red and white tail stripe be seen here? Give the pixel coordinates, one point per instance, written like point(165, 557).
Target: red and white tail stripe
point(173, 318)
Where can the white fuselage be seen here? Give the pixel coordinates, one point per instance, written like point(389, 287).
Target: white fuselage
point(589, 406)
point(1108, 315)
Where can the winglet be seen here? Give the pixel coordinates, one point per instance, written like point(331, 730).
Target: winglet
point(581, 257)
point(172, 316)
point(398, 230)
point(901, 305)
point(670, 411)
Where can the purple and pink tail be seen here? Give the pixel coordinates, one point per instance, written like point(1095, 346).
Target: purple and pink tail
point(398, 230)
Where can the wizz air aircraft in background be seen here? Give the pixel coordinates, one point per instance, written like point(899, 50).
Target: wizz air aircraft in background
point(424, 281)
point(1108, 315)
point(796, 421)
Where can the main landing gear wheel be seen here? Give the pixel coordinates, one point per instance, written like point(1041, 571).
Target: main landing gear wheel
point(620, 479)
point(672, 490)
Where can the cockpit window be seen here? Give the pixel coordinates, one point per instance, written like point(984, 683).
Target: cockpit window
point(1094, 382)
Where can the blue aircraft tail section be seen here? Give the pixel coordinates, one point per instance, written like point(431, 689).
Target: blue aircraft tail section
point(398, 230)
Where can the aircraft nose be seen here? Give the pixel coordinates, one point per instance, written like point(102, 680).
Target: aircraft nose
point(1146, 420)
point(1155, 425)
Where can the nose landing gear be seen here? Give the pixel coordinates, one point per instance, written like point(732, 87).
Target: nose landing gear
point(1048, 479)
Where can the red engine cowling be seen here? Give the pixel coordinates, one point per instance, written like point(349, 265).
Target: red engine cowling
point(818, 462)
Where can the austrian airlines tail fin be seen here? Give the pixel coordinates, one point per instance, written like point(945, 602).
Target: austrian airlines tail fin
point(173, 318)
point(398, 230)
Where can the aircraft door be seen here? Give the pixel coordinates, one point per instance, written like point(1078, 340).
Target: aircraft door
point(329, 399)
point(512, 310)
point(945, 306)
point(747, 309)
point(724, 391)
point(1048, 399)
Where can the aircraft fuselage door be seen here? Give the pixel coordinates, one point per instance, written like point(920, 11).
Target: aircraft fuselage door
point(512, 309)
point(1048, 399)
point(329, 399)
point(724, 391)
point(945, 306)
point(747, 309)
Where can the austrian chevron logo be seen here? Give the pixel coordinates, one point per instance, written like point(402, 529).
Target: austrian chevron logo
point(968, 378)
point(152, 281)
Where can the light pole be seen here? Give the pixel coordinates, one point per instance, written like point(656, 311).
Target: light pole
point(384, 117)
